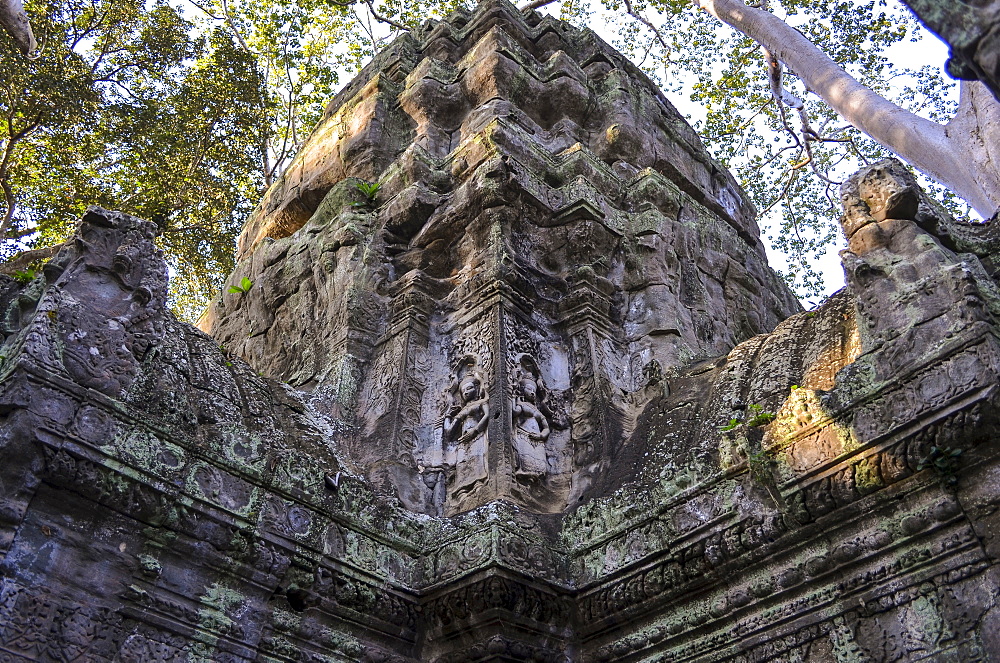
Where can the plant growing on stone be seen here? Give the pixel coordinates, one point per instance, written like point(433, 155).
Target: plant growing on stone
point(755, 418)
point(759, 417)
point(369, 190)
point(243, 287)
point(733, 424)
point(745, 435)
point(944, 461)
point(759, 464)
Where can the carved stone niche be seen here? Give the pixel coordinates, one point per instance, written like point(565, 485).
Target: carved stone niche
point(530, 427)
point(464, 430)
point(500, 430)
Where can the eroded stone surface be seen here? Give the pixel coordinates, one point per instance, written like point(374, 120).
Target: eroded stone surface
point(972, 29)
point(824, 491)
point(546, 233)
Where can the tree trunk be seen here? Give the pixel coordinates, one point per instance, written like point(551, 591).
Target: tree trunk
point(957, 156)
point(976, 129)
point(25, 259)
point(15, 22)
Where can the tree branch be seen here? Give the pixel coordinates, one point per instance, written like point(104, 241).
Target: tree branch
point(206, 12)
point(774, 77)
point(236, 31)
point(383, 19)
point(922, 142)
point(535, 4)
point(14, 20)
point(9, 204)
point(642, 19)
point(25, 259)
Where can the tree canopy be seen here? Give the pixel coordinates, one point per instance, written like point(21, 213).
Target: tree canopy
point(788, 146)
point(183, 111)
point(130, 108)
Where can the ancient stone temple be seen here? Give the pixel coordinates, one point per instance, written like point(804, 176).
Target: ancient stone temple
point(506, 378)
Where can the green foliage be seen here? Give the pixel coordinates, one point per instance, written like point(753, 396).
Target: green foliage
point(243, 287)
point(759, 465)
point(129, 107)
point(178, 113)
point(758, 417)
point(369, 190)
point(723, 72)
point(945, 463)
point(184, 113)
point(733, 424)
point(25, 276)
point(755, 417)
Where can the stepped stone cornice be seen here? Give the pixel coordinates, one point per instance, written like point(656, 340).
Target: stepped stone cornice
point(454, 76)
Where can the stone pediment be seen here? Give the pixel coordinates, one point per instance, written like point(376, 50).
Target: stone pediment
point(539, 398)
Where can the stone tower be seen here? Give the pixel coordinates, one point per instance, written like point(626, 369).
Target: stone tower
point(547, 234)
point(511, 382)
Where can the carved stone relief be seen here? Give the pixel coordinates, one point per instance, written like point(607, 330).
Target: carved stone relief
point(464, 434)
point(530, 411)
point(540, 403)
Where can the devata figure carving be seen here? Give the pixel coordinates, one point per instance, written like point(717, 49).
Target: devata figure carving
point(467, 413)
point(531, 425)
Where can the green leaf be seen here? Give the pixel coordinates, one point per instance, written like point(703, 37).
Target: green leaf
point(369, 189)
point(243, 287)
point(733, 423)
point(761, 419)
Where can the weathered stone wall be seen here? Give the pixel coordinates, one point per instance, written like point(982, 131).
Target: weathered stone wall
point(163, 502)
point(849, 527)
point(544, 220)
point(826, 490)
